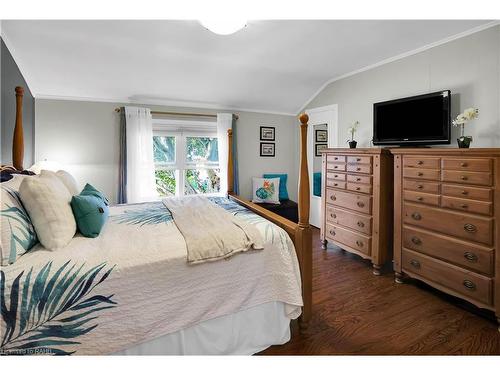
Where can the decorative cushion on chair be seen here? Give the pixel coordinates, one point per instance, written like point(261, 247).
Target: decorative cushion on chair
point(265, 190)
point(283, 187)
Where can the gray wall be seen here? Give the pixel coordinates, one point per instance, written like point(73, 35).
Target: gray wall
point(12, 77)
point(469, 67)
point(84, 138)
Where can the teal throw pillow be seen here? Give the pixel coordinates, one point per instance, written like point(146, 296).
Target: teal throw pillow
point(283, 193)
point(91, 211)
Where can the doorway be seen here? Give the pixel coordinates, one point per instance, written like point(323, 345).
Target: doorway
point(321, 120)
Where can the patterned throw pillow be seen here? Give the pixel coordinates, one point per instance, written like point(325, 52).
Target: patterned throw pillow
point(17, 234)
point(266, 190)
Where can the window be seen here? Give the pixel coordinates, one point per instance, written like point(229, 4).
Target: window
point(186, 162)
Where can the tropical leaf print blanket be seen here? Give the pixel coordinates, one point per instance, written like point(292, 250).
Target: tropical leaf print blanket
point(133, 284)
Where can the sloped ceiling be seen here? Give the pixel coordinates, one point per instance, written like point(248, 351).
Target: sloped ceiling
point(269, 66)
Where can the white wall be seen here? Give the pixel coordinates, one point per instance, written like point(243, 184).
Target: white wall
point(469, 67)
point(84, 138)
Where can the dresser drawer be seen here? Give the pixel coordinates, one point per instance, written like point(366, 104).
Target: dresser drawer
point(336, 184)
point(474, 178)
point(335, 159)
point(467, 192)
point(423, 186)
point(423, 162)
point(474, 165)
point(347, 237)
point(359, 168)
point(461, 253)
point(360, 223)
point(359, 159)
point(336, 176)
point(424, 198)
point(359, 179)
point(424, 174)
point(359, 188)
point(467, 205)
point(336, 166)
point(352, 201)
point(457, 224)
point(466, 283)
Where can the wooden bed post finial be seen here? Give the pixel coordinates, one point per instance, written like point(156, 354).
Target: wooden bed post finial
point(18, 140)
point(230, 168)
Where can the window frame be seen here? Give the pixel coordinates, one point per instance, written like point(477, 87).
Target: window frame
point(186, 129)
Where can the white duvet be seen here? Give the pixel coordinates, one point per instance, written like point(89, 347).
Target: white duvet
point(133, 284)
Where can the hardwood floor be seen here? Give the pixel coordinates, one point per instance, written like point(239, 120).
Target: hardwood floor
point(355, 312)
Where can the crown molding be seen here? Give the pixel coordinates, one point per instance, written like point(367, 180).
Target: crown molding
point(399, 57)
point(161, 102)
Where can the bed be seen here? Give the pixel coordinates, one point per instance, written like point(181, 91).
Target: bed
point(131, 291)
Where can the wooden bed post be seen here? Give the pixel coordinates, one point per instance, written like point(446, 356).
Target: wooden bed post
point(299, 233)
point(18, 140)
point(230, 167)
point(303, 236)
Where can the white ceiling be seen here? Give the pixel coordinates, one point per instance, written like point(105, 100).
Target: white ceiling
point(270, 66)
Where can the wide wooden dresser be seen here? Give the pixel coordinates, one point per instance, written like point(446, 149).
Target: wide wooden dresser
point(446, 221)
point(356, 202)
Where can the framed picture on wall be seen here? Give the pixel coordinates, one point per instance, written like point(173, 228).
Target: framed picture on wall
point(321, 135)
point(267, 149)
point(319, 147)
point(267, 133)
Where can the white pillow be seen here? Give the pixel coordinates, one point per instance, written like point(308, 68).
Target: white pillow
point(266, 190)
point(66, 178)
point(47, 201)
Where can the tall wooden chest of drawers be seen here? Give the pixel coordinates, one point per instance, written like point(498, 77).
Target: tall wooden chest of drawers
point(446, 221)
point(356, 201)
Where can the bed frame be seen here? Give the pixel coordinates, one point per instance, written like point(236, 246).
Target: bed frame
point(299, 233)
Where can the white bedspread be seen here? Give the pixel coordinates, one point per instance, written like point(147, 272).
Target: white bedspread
point(134, 284)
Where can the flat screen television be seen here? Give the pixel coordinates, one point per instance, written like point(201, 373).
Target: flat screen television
point(417, 120)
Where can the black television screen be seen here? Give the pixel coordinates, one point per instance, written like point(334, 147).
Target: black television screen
point(422, 119)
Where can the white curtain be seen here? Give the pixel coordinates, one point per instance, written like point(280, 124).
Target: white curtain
point(140, 165)
point(224, 122)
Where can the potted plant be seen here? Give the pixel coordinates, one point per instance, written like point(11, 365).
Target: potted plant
point(352, 130)
point(462, 119)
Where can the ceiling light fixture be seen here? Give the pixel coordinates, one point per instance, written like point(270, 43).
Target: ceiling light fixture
point(224, 26)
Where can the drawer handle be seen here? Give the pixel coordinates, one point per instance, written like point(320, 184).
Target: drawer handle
point(360, 204)
point(420, 186)
point(358, 159)
point(416, 240)
point(420, 162)
point(358, 188)
point(358, 168)
point(416, 216)
point(469, 285)
point(464, 192)
point(335, 175)
point(333, 197)
point(359, 243)
point(420, 199)
point(358, 179)
point(361, 224)
point(335, 166)
point(464, 178)
point(332, 232)
point(415, 263)
point(335, 158)
point(471, 257)
point(464, 205)
point(470, 228)
point(463, 165)
point(420, 174)
point(335, 184)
